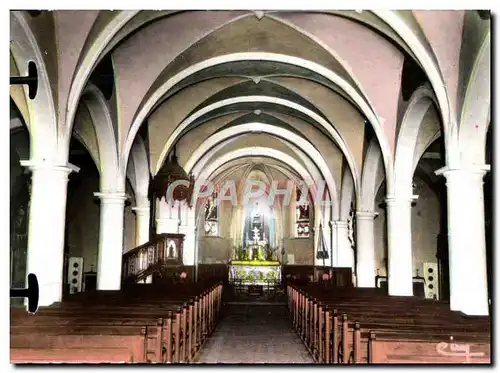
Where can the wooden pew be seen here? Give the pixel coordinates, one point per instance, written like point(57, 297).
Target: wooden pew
point(342, 330)
point(53, 338)
point(399, 348)
point(331, 338)
point(159, 331)
point(71, 355)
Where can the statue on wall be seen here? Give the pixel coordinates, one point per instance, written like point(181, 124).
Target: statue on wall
point(171, 250)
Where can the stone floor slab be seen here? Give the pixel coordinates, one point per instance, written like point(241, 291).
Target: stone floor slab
point(254, 334)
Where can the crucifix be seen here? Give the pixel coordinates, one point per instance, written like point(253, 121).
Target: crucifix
point(256, 232)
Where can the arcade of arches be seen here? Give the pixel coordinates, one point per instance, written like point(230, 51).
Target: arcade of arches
point(384, 115)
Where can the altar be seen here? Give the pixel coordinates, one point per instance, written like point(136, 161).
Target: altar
point(255, 272)
point(256, 261)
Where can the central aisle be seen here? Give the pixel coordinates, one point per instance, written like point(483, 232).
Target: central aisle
point(254, 334)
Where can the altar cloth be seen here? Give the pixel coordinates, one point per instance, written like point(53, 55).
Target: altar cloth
point(255, 272)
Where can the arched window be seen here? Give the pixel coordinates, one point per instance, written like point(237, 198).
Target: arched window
point(212, 216)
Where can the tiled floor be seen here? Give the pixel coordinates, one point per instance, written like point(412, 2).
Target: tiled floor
point(254, 334)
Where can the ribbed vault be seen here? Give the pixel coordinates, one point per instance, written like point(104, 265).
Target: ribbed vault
point(308, 74)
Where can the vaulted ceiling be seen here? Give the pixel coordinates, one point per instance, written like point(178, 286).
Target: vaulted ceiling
point(220, 81)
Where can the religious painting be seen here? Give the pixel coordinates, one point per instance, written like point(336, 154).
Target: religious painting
point(302, 222)
point(302, 213)
point(211, 216)
point(211, 228)
point(211, 210)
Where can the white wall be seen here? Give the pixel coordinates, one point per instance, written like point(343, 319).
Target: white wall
point(425, 217)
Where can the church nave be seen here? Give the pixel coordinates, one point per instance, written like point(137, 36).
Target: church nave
point(324, 170)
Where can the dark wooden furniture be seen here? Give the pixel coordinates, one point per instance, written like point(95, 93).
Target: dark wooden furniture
point(144, 324)
point(362, 325)
point(165, 249)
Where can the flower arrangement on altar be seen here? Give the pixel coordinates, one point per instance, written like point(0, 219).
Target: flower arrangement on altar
point(254, 252)
point(255, 255)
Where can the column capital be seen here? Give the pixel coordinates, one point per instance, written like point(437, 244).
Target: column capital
point(141, 210)
point(339, 223)
point(366, 215)
point(392, 200)
point(472, 170)
point(49, 166)
point(112, 197)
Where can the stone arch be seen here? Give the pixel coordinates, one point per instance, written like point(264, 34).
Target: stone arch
point(45, 146)
point(307, 174)
point(301, 143)
point(419, 103)
point(263, 152)
point(428, 61)
point(139, 157)
point(81, 139)
point(398, 25)
point(177, 132)
point(90, 60)
point(156, 95)
point(371, 170)
point(112, 177)
point(347, 194)
point(476, 109)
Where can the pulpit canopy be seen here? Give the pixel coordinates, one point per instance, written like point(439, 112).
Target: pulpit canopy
point(169, 173)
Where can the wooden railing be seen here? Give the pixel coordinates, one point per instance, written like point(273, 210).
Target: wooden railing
point(142, 261)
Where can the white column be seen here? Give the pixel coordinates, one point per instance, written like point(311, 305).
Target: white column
point(365, 249)
point(345, 256)
point(400, 265)
point(466, 240)
point(47, 218)
point(142, 214)
point(168, 217)
point(109, 262)
point(187, 227)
